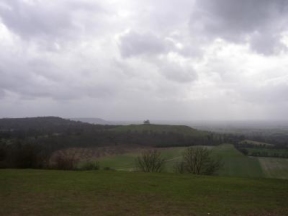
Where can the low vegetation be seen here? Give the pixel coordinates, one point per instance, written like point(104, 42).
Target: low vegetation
point(198, 161)
point(150, 161)
point(54, 143)
point(50, 192)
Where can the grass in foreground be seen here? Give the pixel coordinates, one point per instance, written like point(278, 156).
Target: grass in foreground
point(40, 192)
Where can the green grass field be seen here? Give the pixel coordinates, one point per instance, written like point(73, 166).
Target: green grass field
point(235, 163)
point(274, 167)
point(119, 162)
point(48, 192)
point(251, 142)
point(126, 162)
point(268, 151)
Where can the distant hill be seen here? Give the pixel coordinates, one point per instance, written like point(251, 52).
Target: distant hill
point(156, 128)
point(92, 120)
point(62, 133)
point(100, 121)
point(37, 123)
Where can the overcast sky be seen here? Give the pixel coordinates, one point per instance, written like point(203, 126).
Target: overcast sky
point(144, 59)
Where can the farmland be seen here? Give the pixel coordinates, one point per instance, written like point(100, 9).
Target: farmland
point(235, 163)
point(274, 167)
point(255, 143)
point(244, 186)
point(49, 192)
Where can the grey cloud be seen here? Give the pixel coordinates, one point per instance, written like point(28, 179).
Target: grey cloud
point(236, 21)
point(165, 60)
point(2, 93)
point(39, 79)
point(44, 19)
point(271, 94)
point(178, 73)
point(163, 15)
point(134, 44)
point(266, 43)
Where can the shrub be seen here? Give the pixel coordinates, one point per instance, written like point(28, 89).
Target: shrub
point(150, 161)
point(199, 161)
point(179, 167)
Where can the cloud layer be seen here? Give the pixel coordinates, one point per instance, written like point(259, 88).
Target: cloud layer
point(175, 60)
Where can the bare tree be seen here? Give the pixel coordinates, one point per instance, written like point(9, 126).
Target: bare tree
point(199, 161)
point(150, 161)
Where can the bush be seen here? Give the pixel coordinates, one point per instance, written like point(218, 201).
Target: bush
point(150, 161)
point(179, 167)
point(199, 161)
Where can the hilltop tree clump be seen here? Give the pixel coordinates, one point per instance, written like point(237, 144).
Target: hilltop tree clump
point(146, 122)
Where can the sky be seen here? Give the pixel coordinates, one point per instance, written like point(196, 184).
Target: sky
point(144, 59)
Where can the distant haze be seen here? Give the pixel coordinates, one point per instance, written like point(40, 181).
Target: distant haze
point(176, 60)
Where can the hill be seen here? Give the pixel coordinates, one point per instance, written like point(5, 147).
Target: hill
point(49, 134)
point(35, 192)
point(37, 123)
point(157, 128)
point(93, 121)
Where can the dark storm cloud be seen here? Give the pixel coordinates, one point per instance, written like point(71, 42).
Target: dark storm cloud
point(134, 44)
point(239, 21)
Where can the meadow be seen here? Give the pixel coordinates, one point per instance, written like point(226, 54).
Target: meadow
point(234, 162)
point(50, 192)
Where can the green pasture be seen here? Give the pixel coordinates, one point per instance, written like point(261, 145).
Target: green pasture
point(119, 162)
point(237, 164)
point(234, 162)
point(255, 143)
point(48, 192)
point(274, 167)
point(127, 161)
point(268, 151)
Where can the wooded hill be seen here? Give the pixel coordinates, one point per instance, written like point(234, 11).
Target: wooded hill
point(59, 133)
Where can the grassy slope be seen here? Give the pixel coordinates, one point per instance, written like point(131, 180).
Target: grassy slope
point(119, 162)
point(267, 150)
point(274, 167)
point(236, 164)
point(127, 161)
point(251, 142)
point(40, 192)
